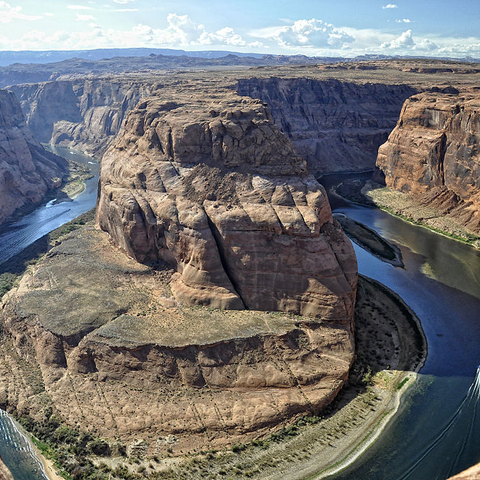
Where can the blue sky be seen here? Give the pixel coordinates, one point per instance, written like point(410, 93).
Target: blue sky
point(327, 28)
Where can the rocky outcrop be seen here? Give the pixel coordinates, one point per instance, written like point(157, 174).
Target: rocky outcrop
point(84, 113)
point(27, 171)
point(213, 188)
point(99, 337)
point(433, 153)
point(208, 191)
point(336, 126)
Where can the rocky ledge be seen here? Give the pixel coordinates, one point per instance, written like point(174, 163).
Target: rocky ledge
point(27, 171)
point(100, 338)
point(433, 154)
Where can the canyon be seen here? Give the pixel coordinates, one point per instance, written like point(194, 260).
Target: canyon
point(220, 211)
point(433, 156)
point(214, 298)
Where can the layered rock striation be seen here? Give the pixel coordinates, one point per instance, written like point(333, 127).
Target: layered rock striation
point(82, 113)
point(433, 153)
point(27, 171)
point(335, 125)
point(212, 187)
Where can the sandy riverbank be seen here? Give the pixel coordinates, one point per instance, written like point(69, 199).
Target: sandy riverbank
point(5, 472)
point(409, 208)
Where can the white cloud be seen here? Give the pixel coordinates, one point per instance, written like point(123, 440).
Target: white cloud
point(79, 7)
point(309, 33)
point(125, 10)
point(181, 31)
point(123, 2)
point(425, 45)
point(404, 20)
point(84, 18)
point(48, 14)
point(405, 40)
point(224, 36)
point(390, 5)
point(256, 44)
point(9, 14)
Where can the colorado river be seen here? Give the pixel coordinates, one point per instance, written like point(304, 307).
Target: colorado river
point(436, 433)
point(17, 236)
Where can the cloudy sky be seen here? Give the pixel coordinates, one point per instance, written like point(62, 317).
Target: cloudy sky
point(310, 27)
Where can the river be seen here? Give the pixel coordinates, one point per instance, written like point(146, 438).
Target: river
point(436, 433)
point(17, 236)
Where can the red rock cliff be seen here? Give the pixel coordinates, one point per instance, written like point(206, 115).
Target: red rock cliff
point(27, 171)
point(433, 153)
point(336, 126)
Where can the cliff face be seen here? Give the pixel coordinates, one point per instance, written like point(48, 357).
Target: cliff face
point(212, 187)
point(85, 113)
point(336, 126)
point(433, 153)
point(27, 171)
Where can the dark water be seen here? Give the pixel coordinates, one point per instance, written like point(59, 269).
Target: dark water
point(17, 453)
point(437, 432)
point(15, 237)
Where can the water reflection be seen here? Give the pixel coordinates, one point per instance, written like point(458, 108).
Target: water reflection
point(17, 453)
point(441, 283)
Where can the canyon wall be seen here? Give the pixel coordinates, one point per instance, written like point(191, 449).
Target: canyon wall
point(336, 126)
point(27, 171)
point(83, 113)
point(433, 153)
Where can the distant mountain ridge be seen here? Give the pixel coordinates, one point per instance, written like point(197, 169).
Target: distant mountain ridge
point(41, 72)
point(10, 57)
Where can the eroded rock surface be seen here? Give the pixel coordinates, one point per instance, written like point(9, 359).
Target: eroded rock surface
point(433, 153)
point(83, 113)
point(27, 171)
point(335, 125)
point(213, 188)
point(100, 338)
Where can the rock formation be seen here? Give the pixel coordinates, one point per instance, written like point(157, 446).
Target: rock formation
point(214, 196)
point(27, 171)
point(212, 187)
point(84, 113)
point(433, 153)
point(472, 473)
point(335, 125)
point(99, 337)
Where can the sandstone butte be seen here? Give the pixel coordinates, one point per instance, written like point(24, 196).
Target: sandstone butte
point(433, 153)
point(27, 171)
point(210, 192)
